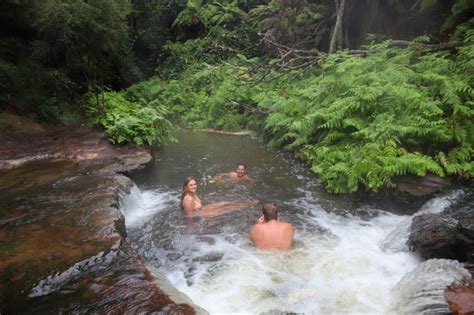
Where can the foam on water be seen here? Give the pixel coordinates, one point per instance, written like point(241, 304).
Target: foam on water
point(138, 205)
point(339, 264)
point(336, 265)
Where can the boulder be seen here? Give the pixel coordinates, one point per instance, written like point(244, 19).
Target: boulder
point(433, 236)
point(449, 234)
point(422, 186)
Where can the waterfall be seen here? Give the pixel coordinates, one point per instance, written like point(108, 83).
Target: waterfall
point(421, 291)
point(138, 205)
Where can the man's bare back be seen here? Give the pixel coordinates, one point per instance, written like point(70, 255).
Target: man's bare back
point(269, 233)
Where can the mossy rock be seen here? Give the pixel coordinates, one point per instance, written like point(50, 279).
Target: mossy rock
point(19, 124)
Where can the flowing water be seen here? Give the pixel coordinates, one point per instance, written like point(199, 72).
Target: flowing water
point(344, 259)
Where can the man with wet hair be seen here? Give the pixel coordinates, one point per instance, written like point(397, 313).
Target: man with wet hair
point(270, 233)
point(240, 173)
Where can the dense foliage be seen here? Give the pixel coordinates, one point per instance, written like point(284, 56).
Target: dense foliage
point(367, 120)
point(360, 121)
point(361, 109)
point(130, 116)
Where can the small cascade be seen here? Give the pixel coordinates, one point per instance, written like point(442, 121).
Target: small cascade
point(396, 240)
point(421, 290)
point(139, 205)
point(439, 204)
point(131, 203)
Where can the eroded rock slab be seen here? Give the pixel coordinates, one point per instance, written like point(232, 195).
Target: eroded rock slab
point(63, 246)
point(87, 145)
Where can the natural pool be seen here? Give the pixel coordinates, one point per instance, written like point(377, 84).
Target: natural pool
point(348, 254)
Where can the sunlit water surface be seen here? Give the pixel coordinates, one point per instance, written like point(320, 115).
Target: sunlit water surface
point(348, 253)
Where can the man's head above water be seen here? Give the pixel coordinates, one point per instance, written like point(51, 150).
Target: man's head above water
point(238, 174)
point(270, 212)
point(240, 169)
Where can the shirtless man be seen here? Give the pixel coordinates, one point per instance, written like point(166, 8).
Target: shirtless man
point(238, 174)
point(269, 232)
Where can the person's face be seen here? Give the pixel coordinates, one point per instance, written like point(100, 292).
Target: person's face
point(240, 170)
point(192, 186)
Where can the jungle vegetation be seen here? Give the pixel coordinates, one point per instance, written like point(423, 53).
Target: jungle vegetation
point(365, 90)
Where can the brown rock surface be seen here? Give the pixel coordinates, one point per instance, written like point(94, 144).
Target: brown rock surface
point(86, 144)
point(460, 299)
point(422, 186)
point(63, 245)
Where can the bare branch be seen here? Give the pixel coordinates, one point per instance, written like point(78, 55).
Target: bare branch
point(248, 107)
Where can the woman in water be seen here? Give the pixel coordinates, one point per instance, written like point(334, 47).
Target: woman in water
point(191, 204)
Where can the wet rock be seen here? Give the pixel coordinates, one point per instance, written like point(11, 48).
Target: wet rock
point(53, 227)
point(421, 290)
point(422, 186)
point(63, 246)
point(464, 213)
point(449, 234)
point(433, 236)
point(85, 145)
point(63, 249)
point(114, 283)
point(460, 299)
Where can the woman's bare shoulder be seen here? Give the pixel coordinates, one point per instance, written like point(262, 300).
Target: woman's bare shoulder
point(188, 197)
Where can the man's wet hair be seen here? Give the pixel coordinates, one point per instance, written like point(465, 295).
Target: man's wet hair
point(241, 164)
point(270, 212)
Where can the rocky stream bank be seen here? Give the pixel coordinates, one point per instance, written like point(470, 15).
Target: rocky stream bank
point(63, 242)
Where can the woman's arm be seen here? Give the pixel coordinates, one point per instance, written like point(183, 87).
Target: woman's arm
point(218, 208)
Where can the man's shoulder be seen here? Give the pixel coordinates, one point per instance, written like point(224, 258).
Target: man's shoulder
point(286, 225)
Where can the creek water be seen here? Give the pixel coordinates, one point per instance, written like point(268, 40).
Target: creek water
point(348, 254)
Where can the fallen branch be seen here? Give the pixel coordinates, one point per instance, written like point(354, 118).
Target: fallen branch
point(248, 107)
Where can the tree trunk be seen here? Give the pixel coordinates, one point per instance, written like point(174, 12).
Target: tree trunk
point(336, 40)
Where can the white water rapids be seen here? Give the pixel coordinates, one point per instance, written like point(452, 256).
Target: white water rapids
point(349, 254)
point(338, 264)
